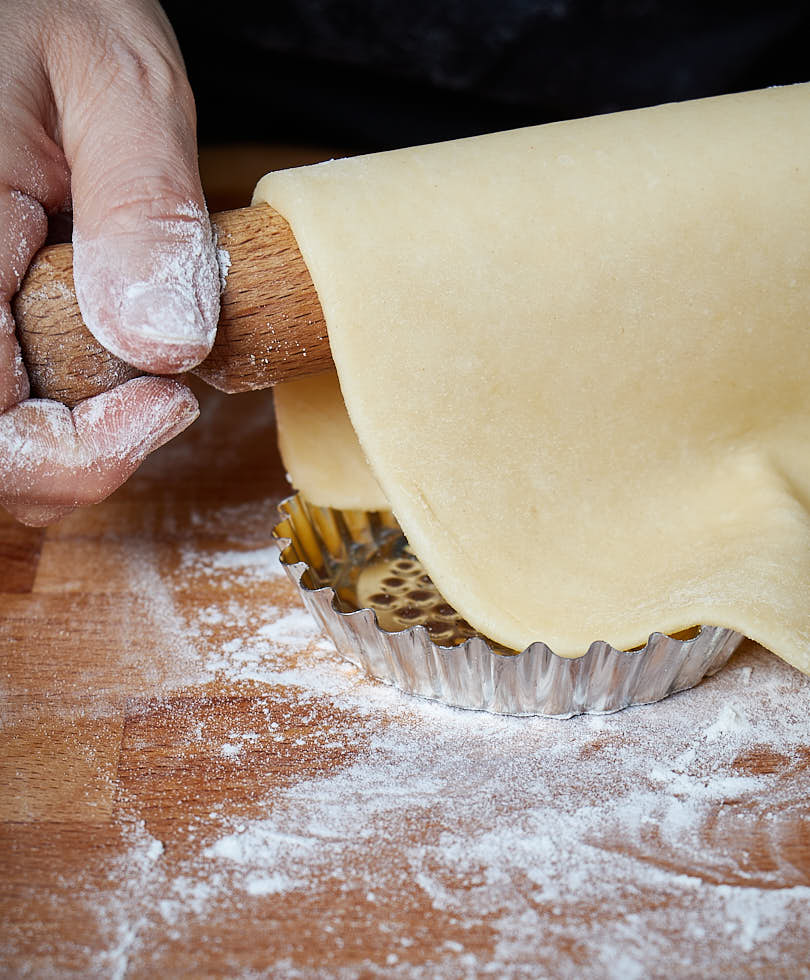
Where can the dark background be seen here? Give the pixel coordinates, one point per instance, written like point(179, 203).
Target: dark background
point(375, 74)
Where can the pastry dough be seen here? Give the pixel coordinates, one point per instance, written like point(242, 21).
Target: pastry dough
point(577, 358)
point(319, 447)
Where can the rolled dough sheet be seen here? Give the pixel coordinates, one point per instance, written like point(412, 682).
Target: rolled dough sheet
point(577, 358)
point(319, 447)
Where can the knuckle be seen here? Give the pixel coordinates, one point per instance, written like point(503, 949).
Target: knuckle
point(151, 193)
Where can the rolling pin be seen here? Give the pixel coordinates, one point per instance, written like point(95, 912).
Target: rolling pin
point(271, 326)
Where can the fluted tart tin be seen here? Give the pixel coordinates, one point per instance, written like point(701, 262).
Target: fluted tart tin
point(366, 588)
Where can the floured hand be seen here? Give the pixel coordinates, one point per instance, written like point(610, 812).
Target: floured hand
point(95, 106)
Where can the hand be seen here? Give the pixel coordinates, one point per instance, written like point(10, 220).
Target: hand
point(95, 105)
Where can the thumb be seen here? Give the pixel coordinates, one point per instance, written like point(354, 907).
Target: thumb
point(145, 260)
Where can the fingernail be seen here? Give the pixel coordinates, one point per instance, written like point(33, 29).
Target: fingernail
point(165, 329)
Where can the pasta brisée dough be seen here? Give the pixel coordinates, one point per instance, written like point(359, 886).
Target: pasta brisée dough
point(577, 358)
point(319, 447)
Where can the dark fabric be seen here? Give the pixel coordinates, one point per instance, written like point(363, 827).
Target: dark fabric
point(372, 74)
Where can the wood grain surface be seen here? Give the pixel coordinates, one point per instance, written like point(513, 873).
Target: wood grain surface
point(194, 785)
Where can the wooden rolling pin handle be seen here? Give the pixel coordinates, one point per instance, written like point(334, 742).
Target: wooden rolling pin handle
point(271, 325)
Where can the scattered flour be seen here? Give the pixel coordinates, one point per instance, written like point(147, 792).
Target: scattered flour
point(731, 723)
point(257, 564)
point(621, 839)
point(224, 262)
point(267, 885)
point(549, 835)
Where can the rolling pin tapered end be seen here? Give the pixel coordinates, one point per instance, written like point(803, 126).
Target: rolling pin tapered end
point(271, 325)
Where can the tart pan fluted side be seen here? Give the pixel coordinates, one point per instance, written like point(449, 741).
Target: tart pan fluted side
point(323, 551)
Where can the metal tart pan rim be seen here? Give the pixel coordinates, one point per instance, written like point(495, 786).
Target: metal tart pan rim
point(471, 675)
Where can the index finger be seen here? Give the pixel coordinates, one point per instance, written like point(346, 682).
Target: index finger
point(24, 229)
